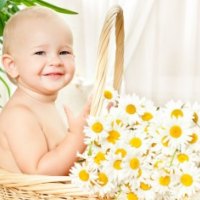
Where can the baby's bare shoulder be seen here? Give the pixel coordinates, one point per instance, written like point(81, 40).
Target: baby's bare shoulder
point(17, 116)
point(16, 111)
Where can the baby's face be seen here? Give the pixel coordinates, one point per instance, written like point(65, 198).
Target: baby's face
point(44, 57)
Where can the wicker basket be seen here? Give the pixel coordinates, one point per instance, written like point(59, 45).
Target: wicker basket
point(32, 187)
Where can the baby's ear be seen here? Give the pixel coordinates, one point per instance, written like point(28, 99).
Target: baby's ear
point(9, 66)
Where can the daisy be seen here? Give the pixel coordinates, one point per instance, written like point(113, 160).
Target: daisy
point(146, 191)
point(188, 181)
point(95, 130)
point(83, 175)
point(104, 183)
point(138, 141)
point(177, 109)
point(120, 149)
point(127, 194)
point(131, 108)
point(159, 143)
point(110, 94)
point(176, 133)
point(162, 181)
point(115, 133)
point(142, 184)
point(114, 166)
point(148, 110)
point(134, 165)
point(184, 156)
point(99, 156)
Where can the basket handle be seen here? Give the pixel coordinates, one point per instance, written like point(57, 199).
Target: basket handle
point(114, 18)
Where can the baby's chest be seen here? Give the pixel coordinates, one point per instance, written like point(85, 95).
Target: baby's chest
point(54, 131)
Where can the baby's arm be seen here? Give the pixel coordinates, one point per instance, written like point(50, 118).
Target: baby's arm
point(29, 146)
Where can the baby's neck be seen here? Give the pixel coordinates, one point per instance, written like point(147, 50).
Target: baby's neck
point(34, 96)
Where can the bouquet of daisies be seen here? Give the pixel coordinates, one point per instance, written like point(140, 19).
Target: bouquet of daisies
point(138, 151)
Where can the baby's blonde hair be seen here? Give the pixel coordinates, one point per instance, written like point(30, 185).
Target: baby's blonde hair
point(13, 24)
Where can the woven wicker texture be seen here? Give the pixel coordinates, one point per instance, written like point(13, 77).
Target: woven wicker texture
point(15, 186)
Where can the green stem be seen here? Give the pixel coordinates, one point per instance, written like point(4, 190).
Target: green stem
point(90, 149)
point(173, 156)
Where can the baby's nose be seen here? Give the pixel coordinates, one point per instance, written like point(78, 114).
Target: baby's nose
point(55, 61)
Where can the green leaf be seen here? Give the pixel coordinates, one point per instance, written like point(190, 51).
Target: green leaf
point(2, 3)
point(13, 9)
point(27, 3)
point(56, 8)
point(1, 26)
point(18, 2)
point(6, 86)
point(2, 71)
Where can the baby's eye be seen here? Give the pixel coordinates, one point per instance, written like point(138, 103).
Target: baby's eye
point(65, 52)
point(40, 53)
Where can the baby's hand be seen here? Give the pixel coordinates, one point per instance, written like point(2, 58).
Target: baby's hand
point(76, 124)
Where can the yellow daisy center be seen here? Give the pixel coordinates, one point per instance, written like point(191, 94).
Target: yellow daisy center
point(147, 116)
point(195, 118)
point(145, 186)
point(175, 131)
point(182, 157)
point(135, 142)
point(134, 163)
point(113, 136)
point(117, 164)
point(121, 151)
point(186, 180)
point(132, 196)
point(108, 94)
point(102, 178)
point(131, 109)
point(177, 113)
point(194, 138)
point(100, 156)
point(84, 175)
point(164, 180)
point(97, 127)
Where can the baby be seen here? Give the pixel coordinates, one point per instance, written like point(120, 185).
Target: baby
point(38, 56)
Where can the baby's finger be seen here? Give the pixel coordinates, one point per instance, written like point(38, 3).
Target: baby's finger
point(86, 109)
point(69, 114)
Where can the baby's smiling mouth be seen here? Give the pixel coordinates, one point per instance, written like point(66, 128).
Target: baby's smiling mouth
point(54, 75)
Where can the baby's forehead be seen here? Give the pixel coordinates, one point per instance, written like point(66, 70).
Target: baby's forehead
point(35, 12)
point(30, 21)
point(32, 18)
